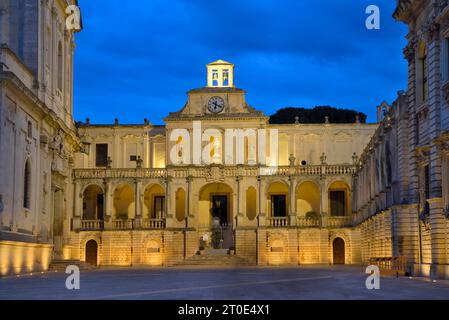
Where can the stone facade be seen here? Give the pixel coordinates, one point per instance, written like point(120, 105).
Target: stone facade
point(401, 185)
point(217, 174)
point(202, 153)
point(37, 133)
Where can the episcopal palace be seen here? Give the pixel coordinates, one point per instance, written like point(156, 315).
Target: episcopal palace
point(217, 176)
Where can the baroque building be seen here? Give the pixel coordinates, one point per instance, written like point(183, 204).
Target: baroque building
point(401, 188)
point(217, 174)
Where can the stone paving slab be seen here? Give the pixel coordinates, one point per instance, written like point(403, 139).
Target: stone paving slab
point(249, 283)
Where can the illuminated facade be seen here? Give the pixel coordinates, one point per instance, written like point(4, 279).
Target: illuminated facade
point(37, 132)
point(217, 174)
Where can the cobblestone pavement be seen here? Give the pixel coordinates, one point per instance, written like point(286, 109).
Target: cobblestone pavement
point(314, 282)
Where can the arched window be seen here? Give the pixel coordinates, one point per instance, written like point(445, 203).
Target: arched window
point(60, 66)
point(27, 185)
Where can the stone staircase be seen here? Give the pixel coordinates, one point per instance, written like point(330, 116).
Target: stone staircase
point(215, 258)
point(61, 265)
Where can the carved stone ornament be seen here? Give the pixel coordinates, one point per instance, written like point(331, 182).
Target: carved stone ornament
point(214, 173)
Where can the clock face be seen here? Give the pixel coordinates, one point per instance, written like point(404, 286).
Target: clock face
point(215, 105)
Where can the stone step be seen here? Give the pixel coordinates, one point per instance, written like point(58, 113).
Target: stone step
point(61, 265)
point(215, 259)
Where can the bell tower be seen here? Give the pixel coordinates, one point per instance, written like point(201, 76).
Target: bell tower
point(220, 74)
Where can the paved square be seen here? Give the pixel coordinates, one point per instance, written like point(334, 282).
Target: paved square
point(317, 282)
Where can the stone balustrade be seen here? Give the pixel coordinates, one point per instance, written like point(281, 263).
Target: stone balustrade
point(153, 224)
point(92, 224)
point(208, 171)
point(119, 224)
point(304, 222)
point(278, 222)
point(339, 222)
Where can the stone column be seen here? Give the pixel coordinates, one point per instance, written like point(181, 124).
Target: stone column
point(138, 204)
point(77, 198)
point(240, 216)
point(292, 201)
point(107, 204)
point(324, 203)
point(169, 217)
point(262, 216)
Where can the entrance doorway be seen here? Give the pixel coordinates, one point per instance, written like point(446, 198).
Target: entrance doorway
point(278, 205)
point(338, 248)
point(220, 208)
point(91, 252)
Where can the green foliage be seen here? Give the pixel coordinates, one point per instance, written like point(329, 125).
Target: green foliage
point(316, 115)
point(312, 215)
point(122, 216)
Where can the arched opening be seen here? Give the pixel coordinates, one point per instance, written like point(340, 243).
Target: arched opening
point(251, 203)
point(154, 202)
point(123, 204)
point(27, 185)
point(308, 200)
point(339, 199)
point(60, 66)
point(277, 199)
point(338, 250)
point(215, 202)
point(92, 252)
point(93, 203)
point(180, 204)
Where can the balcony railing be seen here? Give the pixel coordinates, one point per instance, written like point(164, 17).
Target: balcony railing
point(339, 222)
point(122, 224)
point(207, 171)
point(307, 222)
point(278, 222)
point(92, 224)
point(153, 224)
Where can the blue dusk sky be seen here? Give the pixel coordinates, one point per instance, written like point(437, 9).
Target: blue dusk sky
point(137, 59)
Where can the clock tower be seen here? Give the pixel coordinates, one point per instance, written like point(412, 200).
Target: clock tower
point(218, 99)
point(220, 73)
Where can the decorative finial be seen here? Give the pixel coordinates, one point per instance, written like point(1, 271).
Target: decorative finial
point(323, 158)
point(357, 119)
point(139, 162)
point(355, 158)
point(296, 120)
point(326, 119)
point(116, 121)
point(87, 121)
point(109, 163)
point(292, 160)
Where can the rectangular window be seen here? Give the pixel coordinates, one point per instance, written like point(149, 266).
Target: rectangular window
point(445, 62)
point(159, 207)
point(425, 85)
point(132, 158)
point(101, 155)
point(427, 181)
point(278, 206)
point(215, 78)
point(338, 207)
point(225, 77)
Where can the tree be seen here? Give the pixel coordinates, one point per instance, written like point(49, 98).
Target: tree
point(316, 115)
